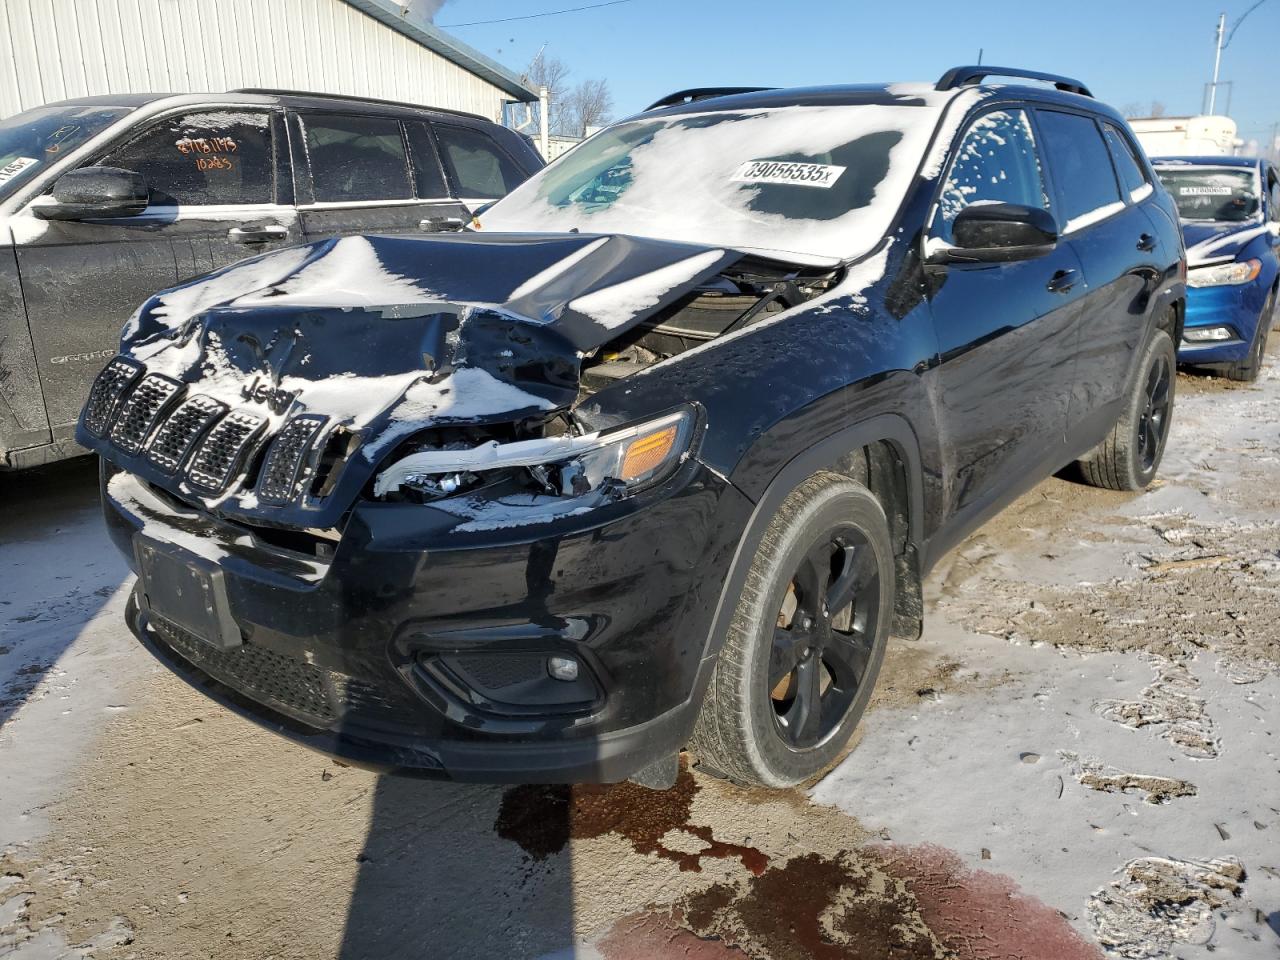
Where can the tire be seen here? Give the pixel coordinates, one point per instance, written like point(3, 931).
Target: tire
point(1247, 370)
point(754, 728)
point(1130, 456)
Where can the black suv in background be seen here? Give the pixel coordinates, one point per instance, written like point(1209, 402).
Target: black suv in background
point(660, 453)
point(105, 200)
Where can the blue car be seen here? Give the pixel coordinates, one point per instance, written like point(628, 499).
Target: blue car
point(1230, 211)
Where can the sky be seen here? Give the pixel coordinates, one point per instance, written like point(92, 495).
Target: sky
point(1130, 53)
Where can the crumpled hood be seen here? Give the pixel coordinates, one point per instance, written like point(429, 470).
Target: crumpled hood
point(381, 336)
point(1211, 242)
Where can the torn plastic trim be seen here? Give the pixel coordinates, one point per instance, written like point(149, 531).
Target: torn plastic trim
point(520, 453)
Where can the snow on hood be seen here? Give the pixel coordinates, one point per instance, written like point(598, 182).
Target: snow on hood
point(390, 335)
point(1218, 241)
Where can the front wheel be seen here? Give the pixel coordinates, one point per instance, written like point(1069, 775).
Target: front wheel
point(1129, 457)
point(807, 638)
point(1247, 370)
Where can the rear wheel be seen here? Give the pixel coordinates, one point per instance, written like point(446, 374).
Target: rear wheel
point(1129, 457)
point(807, 638)
point(1247, 370)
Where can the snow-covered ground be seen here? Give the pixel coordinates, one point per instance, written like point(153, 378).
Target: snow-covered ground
point(1078, 759)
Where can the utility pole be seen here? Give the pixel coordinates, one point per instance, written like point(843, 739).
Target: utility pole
point(1217, 60)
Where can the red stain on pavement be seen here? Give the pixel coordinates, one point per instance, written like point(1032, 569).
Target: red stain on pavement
point(542, 820)
point(660, 935)
point(878, 903)
point(981, 915)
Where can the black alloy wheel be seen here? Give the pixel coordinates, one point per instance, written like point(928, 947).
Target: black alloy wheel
point(823, 640)
point(1153, 423)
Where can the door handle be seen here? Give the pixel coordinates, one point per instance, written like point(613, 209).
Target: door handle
point(441, 224)
point(1146, 243)
point(1062, 281)
point(259, 234)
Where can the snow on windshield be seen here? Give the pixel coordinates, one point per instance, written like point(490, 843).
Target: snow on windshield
point(814, 182)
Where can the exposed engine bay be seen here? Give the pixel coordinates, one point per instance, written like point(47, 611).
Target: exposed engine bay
point(749, 291)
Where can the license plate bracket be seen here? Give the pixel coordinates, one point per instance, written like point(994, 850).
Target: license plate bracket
point(187, 590)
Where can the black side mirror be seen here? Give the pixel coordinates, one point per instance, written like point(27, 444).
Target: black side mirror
point(94, 193)
point(999, 232)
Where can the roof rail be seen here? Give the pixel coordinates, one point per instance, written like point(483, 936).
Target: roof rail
point(964, 76)
point(700, 93)
point(352, 98)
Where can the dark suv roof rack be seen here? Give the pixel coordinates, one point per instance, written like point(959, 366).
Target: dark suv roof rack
point(351, 98)
point(963, 76)
point(700, 93)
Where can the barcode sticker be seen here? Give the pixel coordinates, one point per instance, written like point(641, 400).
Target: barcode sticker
point(15, 167)
point(781, 171)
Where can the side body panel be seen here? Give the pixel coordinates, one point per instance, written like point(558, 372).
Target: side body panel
point(23, 423)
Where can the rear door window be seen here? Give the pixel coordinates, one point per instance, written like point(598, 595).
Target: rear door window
point(1080, 162)
point(997, 161)
point(209, 158)
point(1130, 170)
point(356, 159)
point(428, 176)
point(481, 169)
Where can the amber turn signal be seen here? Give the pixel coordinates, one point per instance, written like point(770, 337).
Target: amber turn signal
point(645, 454)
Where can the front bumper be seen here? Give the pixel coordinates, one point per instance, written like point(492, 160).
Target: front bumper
point(1235, 307)
point(414, 649)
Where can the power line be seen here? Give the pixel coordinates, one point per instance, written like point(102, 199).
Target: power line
point(534, 16)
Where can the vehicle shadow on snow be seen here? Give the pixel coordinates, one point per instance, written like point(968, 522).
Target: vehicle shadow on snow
point(57, 567)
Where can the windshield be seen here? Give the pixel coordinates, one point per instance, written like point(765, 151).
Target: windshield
point(818, 182)
point(1212, 193)
point(33, 139)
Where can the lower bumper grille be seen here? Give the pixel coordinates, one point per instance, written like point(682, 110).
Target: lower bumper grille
point(290, 686)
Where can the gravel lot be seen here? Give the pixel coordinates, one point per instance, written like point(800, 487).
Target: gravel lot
point(1079, 759)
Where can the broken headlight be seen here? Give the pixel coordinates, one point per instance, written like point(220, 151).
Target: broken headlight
point(619, 462)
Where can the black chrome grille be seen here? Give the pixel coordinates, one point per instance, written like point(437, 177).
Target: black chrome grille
point(285, 466)
point(108, 388)
point(142, 410)
point(181, 431)
point(293, 687)
point(223, 450)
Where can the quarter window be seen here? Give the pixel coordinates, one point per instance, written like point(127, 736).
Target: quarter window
point(481, 169)
point(1081, 166)
point(1127, 165)
point(996, 162)
point(202, 159)
point(356, 159)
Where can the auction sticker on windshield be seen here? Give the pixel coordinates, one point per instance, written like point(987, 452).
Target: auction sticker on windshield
point(779, 171)
point(1205, 191)
point(15, 167)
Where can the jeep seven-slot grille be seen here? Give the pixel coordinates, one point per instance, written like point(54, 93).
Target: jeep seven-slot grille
point(108, 388)
point(181, 431)
point(284, 469)
point(142, 410)
point(222, 452)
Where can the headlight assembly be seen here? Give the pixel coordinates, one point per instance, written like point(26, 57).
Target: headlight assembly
point(1224, 274)
point(621, 461)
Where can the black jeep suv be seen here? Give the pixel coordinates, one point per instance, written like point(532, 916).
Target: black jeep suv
point(656, 455)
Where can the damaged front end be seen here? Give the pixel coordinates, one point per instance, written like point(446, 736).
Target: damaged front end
point(283, 390)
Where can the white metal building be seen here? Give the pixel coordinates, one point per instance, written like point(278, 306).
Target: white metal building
point(56, 49)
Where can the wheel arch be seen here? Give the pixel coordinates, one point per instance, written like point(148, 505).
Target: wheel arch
point(883, 454)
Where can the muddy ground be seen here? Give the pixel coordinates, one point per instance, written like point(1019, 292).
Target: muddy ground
point(1079, 759)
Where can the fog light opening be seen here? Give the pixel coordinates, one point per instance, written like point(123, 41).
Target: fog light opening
point(1207, 334)
point(563, 668)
